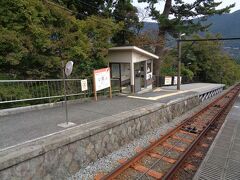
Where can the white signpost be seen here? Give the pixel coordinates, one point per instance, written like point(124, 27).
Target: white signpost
point(101, 78)
point(168, 80)
point(84, 85)
point(66, 72)
point(175, 80)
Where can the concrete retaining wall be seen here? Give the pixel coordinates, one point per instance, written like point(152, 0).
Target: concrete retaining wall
point(61, 154)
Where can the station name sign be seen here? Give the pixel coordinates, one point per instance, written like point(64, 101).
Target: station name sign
point(102, 80)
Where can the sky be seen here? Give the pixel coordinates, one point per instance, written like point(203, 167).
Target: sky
point(160, 6)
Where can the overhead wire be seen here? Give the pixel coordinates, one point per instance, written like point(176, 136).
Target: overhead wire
point(120, 17)
point(93, 18)
point(73, 12)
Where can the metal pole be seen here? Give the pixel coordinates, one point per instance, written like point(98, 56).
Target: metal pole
point(65, 91)
point(179, 62)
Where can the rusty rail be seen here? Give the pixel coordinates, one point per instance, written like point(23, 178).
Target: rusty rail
point(181, 160)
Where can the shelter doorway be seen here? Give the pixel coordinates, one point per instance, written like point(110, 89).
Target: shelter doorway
point(139, 76)
point(121, 73)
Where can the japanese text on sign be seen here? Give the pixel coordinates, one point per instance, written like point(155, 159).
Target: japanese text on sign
point(168, 80)
point(102, 78)
point(84, 85)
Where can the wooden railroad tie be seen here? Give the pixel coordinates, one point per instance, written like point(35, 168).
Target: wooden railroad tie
point(143, 169)
point(204, 145)
point(198, 154)
point(186, 132)
point(173, 147)
point(182, 139)
point(189, 166)
point(210, 138)
point(157, 155)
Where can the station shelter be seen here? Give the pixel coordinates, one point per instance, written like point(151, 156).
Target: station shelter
point(132, 67)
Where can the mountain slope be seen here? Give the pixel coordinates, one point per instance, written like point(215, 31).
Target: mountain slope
point(228, 25)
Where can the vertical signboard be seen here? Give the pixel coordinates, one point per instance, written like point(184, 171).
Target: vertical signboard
point(168, 80)
point(101, 78)
point(84, 85)
point(175, 80)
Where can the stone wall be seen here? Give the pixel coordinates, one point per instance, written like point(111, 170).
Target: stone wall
point(64, 153)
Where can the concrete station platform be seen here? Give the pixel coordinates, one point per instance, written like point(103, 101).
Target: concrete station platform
point(223, 158)
point(170, 91)
point(17, 127)
point(33, 146)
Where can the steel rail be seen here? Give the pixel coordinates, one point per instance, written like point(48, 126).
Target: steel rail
point(192, 144)
point(185, 154)
point(164, 155)
point(117, 171)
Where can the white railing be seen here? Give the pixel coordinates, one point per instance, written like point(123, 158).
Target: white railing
point(49, 90)
point(12, 91)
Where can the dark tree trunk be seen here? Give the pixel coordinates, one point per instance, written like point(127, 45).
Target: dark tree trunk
point(159, 49)
point(159, 52)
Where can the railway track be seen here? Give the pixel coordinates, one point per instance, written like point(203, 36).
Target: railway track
point(169, 154)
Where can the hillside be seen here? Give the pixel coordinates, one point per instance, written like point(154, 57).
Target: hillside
point(228, 25)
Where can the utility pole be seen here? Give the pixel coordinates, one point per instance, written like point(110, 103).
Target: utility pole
point(179, 40)
point(179, 62)
point(59, 52)
point(65, 90)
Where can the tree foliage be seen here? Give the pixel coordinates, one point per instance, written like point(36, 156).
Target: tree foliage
point(209, 63)
point(122, 11)
point(126, 13)
point(203, 61)
point(85, 8)
point(32, 32)
point(99, 31)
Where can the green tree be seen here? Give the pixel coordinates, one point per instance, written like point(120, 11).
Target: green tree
point(183, 20)
point(125, 12)
point(99, 32)
point(120, 10)
point(26, 50)
point(203, 61)
point(209, 63)
point(85, 8)
point(32, 32)
point(169, 65)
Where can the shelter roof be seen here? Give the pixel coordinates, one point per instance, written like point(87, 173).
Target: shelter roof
point(134, 48)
